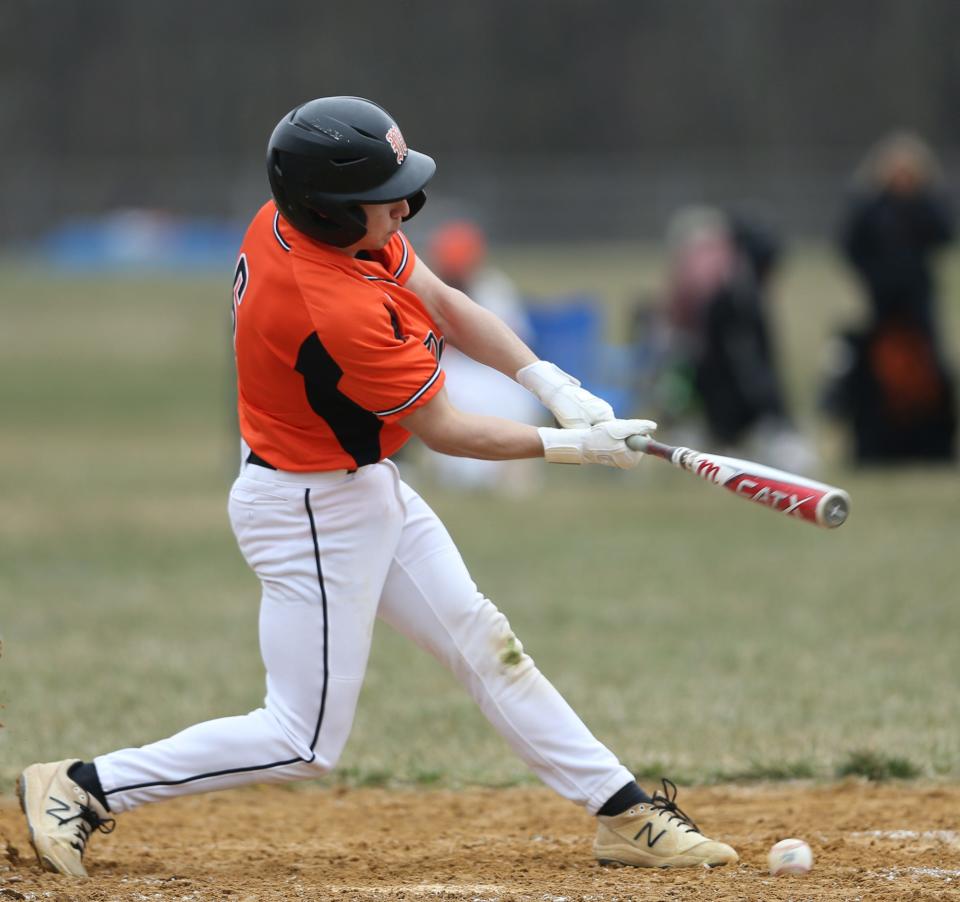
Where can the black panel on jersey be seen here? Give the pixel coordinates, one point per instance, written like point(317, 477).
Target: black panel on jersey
point(395, 322)
point(357, 430)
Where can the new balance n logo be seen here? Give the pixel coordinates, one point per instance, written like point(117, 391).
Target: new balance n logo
point(56, 812)
point(651, 839)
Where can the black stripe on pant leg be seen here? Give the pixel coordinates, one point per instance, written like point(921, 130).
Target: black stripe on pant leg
point(214, 773)
point(323, 599)
point(323, 694)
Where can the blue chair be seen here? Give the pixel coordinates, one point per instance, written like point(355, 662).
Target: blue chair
point(569, 331)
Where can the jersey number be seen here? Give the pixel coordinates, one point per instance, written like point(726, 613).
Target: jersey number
point(241, 279)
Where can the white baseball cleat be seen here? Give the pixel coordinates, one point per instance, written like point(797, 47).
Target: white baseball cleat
point(61, 816)
point(658, 834)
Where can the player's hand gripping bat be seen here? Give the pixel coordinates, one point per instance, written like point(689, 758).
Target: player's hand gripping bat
point(792, 495)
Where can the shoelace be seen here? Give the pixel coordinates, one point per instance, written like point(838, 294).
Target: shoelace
point(665, 801)
point(87, 821)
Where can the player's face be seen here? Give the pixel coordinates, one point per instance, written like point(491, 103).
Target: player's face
point(383, 220)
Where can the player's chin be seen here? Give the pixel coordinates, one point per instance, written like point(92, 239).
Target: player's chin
point(381, 241)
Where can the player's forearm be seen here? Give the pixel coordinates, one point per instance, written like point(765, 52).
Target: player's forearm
point(485, 337)
point(469, 327)
point(447, 430)
point(492, 438)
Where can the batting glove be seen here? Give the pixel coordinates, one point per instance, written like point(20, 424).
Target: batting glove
point(603, 444)
point(573, 406)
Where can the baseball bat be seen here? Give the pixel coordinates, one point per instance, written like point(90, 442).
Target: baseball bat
point(793, 495)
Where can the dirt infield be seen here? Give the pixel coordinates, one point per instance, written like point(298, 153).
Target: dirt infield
point(886, 842)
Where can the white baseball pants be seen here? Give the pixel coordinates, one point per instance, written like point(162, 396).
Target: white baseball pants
point(333, 552)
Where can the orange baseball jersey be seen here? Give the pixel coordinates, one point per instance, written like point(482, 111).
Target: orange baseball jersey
point(331, 350)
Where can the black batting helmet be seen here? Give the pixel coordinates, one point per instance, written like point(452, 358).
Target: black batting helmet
point(330, 155)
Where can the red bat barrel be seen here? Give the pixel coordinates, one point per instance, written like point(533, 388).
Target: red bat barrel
point(793, 495)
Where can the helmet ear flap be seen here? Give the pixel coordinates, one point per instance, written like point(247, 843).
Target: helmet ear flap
point(333, 224)
point(415, 202)
point(275, 175)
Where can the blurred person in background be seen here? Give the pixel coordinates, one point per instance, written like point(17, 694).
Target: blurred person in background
point(713, 371)
point(890, 382)
point(457, 252)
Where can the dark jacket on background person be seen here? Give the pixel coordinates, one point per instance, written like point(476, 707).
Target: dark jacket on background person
point(889, 239)
point(897, 393)
point(736, 375)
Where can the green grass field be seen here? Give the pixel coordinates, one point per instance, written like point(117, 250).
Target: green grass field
point(697, 636)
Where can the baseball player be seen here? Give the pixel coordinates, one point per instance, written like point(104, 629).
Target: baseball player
point(338, 331)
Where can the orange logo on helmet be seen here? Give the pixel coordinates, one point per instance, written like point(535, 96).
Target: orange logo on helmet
point(395, 140)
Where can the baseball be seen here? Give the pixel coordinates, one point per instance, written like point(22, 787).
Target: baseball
point(790, 856)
